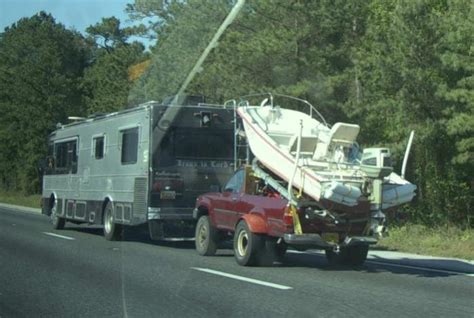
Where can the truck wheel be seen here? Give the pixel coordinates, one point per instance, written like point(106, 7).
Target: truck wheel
point(357, 255)
point(112, 231)
point(247, 245)
point(57, 221)
point(352, 255)
point(272, 252)
point(206, 237)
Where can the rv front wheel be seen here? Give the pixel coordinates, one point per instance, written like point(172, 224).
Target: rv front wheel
point(57, 221)
point(112, 231)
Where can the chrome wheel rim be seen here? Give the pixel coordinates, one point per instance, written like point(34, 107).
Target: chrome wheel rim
point(54, 216)
point(108, 221)
point(202, 236)
point(242, 243)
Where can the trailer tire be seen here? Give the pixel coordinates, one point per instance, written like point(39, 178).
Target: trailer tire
point(57, 221)
point(206, 237)
point(352, 255)
point(112, 231)
point(248, 246)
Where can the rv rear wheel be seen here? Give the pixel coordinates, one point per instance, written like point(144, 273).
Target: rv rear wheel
point(57, 221)
point(247, 245)
point(206, 237)
point(112, 231)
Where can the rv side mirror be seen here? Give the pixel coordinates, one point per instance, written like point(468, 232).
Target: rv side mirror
point(46, 165)
point(42, 165)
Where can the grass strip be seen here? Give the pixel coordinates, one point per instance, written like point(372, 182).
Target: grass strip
point(444, 241)
point(16, 198)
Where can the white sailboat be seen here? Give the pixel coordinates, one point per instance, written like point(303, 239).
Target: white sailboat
point(322, 161)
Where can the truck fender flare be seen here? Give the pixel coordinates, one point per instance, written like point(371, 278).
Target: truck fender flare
point(256, 223)
point(202, 209)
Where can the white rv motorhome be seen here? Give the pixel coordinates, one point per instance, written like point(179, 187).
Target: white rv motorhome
point(144, 165)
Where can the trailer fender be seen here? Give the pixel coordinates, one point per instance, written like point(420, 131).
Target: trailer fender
point(256, 223)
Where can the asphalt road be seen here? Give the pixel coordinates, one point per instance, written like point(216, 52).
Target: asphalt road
point(80, 274)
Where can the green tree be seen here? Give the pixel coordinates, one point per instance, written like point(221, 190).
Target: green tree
point(183, 32)
point(404, 75)
point(106, 82)
point(41, 64)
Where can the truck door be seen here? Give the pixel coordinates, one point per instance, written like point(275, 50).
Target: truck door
point(226, 208)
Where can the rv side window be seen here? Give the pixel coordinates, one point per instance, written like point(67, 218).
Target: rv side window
point(99, 146)
point(129, 145)
point(66, 157)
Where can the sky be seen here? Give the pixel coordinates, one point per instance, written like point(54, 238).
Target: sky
point(77, 14)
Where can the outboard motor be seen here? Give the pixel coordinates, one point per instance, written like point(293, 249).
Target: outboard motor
point(376, 164)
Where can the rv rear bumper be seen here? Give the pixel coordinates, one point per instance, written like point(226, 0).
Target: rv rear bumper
point(315, 240)
point(170, 214)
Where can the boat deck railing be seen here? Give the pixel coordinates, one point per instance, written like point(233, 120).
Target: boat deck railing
point(244, 102)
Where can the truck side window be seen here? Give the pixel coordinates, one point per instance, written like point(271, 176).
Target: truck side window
point(235, 183)
point(129, 146)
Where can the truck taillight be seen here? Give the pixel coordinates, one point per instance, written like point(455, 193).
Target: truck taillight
point(287, 217)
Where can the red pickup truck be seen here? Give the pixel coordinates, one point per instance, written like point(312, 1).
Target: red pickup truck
point(261, 224)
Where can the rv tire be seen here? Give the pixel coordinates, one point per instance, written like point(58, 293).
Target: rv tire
point(57, 221)
point(112, 231)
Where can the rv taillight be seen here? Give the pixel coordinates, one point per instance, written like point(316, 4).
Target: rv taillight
point(156, 187)
point(177, 184)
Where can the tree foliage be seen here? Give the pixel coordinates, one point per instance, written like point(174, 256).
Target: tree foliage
point(390, 66)
point(106, 82)
point(41, 64)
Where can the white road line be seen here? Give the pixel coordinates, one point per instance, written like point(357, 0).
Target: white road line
point(242, 278)
point(426, 269)
point(60, 236)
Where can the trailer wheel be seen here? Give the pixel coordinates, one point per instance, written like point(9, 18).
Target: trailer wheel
point(352, 255)
point(112, 231)
point(57, 221)
point(206, 237)
point(248, 246)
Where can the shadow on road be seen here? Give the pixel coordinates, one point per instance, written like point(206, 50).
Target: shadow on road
point(135, 234)
point(432, 267)
point(375, 265)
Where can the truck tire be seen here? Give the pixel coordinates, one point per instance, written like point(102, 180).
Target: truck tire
point(248, 246)
point(57, 221)
point(112, 231)
point(272, 252)
point(352, 255)
point(206, 237)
